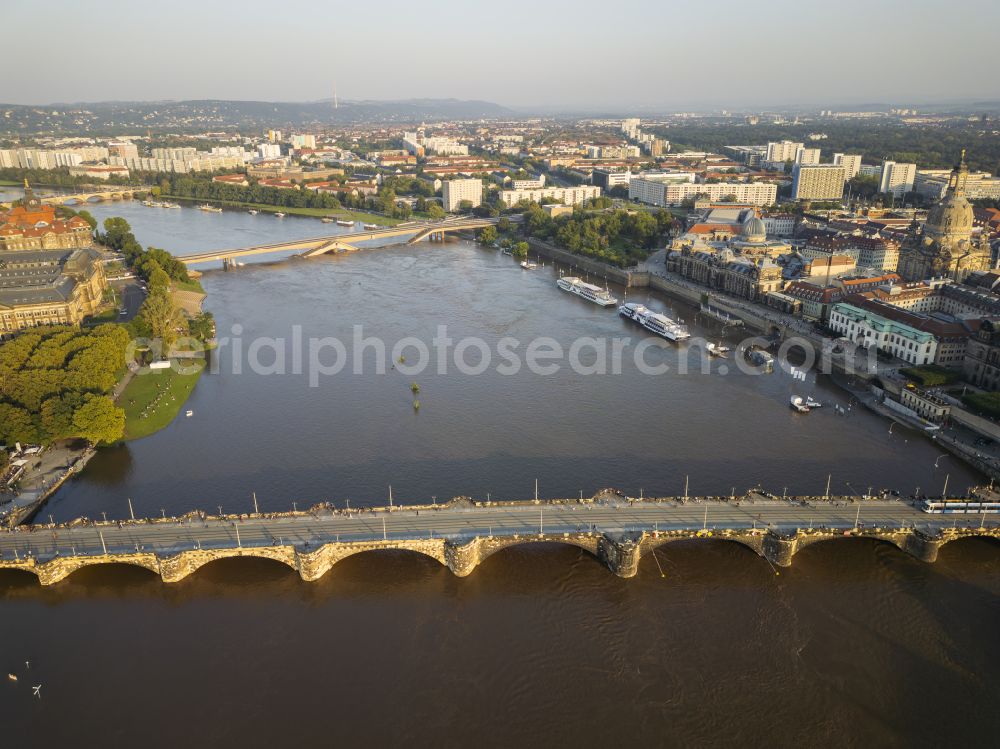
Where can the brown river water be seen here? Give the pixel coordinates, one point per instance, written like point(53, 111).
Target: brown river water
point(855, 644)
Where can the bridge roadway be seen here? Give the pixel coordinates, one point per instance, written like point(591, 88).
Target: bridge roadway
point(461, 534)
point(321, 245)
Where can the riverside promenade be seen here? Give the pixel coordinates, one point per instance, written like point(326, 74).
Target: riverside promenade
point(460, 534)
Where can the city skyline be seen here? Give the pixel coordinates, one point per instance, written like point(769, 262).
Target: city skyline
point(778, 56)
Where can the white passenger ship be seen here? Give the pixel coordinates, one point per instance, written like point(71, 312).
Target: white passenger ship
point(654, 322)
point(588, 291)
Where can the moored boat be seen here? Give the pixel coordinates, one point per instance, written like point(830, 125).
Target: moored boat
point(279, 214)
point(588, 291)
point(370, 227)
point(798, 404)
point(655, 322)
point(717, 349)
point(209, 208)
point(252, 211)
point(342, 222)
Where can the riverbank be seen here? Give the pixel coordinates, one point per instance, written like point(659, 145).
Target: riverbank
point(336, 213)
point(43, 475)
point(153, 398)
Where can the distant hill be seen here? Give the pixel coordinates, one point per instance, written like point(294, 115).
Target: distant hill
point(199, 115)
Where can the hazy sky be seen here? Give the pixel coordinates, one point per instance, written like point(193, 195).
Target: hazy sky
point(569, 53)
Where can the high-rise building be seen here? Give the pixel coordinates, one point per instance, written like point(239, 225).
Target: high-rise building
point(818, 182)
point(779, 153)
point(851, 163)
point(808, 156)
point(897, 178)
point(454, 191)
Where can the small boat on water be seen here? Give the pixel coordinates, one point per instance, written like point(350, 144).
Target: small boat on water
point(12, 677)
point(171, 205)
point(252, 211)
point(371, 227)
point(326, 220)
point(342, 222)
point(209, 208)
point(528, 265)
point(279, 214)
point(813, 403)
point(189, 413)
point(799, 404)
point(761, 358)
point(717, 349)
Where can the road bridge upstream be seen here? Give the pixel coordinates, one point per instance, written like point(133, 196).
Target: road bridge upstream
point(345, 242)
point(461, 533)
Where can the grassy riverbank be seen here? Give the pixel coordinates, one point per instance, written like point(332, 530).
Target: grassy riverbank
point(153, 398)
point(344, 213)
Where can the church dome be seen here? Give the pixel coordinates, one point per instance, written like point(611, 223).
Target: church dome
point(953, 215)
point(754, 230)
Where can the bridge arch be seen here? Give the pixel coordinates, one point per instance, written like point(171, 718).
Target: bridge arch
point(312, 565)
point(496, 544)
point(60, 568)
point(175, 568)
point(754, 543)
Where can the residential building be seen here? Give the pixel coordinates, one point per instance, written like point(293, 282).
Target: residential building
point(897, 178)
point(269, 151)
point(98, 171)
point(851, 163)
point(566, 195)
point(607, 178)
point(780, 224)
point(808, 156)
point(303, 141)
point(655, 192)
point(932, 184)
point(779, 153)
point(818, 182)
point(454, 191)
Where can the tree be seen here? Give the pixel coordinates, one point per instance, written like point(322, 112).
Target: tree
point(487, 235)
point(16, 425)
point(99, 420)
point(520, 250)
point(435, 211)
point(89, 218)
point(161, 319)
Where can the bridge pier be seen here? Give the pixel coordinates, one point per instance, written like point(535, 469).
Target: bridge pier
point(620, 555)
point(778, 550)
point(923, 547)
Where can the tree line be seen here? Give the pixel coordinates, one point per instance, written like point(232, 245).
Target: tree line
point(619, 237)
point(55, 383)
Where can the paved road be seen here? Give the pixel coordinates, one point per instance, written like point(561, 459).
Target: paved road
point(461, 522)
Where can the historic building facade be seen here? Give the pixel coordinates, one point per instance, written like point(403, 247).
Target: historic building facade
point(49, 273)
point(945, 245)
point(34, 226)
point(49, 287)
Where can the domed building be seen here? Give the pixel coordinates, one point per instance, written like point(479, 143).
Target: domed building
point(945, 245)
point(754, 231)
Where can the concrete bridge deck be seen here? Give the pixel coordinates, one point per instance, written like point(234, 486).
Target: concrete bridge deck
point(312, 247)
point(461, 534)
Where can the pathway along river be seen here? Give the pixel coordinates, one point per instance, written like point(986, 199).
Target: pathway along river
point(856, 642)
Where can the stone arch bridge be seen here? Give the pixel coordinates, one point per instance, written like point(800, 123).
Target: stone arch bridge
point(461, 534)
